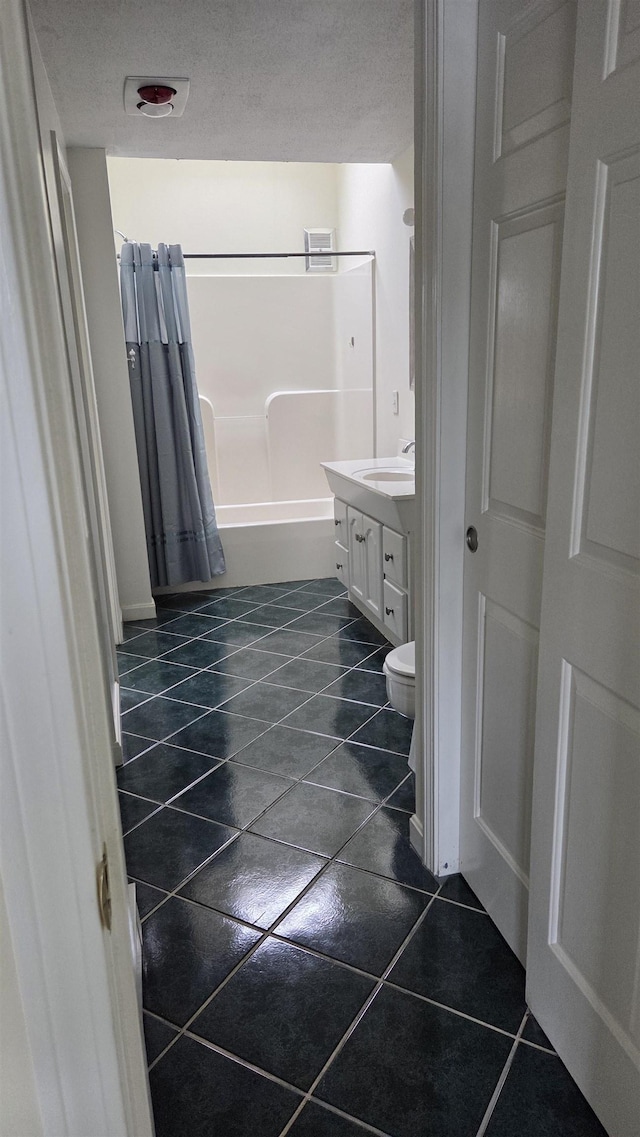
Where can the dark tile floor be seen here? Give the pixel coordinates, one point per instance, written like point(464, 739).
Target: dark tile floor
point(304, 974)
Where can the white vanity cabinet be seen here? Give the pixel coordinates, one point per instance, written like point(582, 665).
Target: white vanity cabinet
point(372, 560)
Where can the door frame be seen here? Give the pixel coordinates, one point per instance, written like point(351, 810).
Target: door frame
point(76, 980)
point(69, 278)
point(445, 97)
point(50, 876)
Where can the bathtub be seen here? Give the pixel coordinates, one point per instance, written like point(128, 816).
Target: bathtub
point(276, 540)
point(270, 512)
point(271, 541)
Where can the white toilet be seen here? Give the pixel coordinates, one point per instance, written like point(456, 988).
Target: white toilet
point(399, 669)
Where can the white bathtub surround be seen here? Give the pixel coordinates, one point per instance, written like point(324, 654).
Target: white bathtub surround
point(285, 372)
point(233, 206)
point(266, 542)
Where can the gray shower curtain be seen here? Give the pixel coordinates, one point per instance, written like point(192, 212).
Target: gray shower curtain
point(183, 543)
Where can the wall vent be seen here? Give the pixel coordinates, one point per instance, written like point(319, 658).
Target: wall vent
point(319, 243)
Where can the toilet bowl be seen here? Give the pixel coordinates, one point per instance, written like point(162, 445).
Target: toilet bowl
point(399, 668)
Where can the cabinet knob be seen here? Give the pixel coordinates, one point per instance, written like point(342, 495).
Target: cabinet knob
point(388, 556)
point(338, 566)
point(359, 537)
point(337, 521)
point(389, 611)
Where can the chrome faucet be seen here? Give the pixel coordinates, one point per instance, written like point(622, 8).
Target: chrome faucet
point(408, 447)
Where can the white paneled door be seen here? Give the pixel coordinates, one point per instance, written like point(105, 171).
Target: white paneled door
point(584, 925)
point(525, 66)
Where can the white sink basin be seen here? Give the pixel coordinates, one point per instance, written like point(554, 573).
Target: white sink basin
point(384, 475)
point(383, 488)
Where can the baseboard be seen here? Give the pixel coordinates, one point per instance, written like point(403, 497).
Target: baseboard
point(416, 835)
point(131, 612)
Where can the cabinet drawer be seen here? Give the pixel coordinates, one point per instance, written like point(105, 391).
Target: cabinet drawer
point(395, 610)
point(340, 521)
point(342, 563)
point(394, 557)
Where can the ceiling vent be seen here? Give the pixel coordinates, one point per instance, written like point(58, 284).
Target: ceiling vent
point(319, 243)
point(155, 96)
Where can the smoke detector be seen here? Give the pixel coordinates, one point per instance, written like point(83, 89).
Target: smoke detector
point(154, 96)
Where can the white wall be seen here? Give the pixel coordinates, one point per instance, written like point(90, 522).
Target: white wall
point(224, 207)
point(256, 334)
point(372, 199)
point(88, 171)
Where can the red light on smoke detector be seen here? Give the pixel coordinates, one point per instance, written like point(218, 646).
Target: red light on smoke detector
point(155, 95)
point(158, 96)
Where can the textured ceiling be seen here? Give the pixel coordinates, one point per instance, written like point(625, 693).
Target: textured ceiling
point(271, 80)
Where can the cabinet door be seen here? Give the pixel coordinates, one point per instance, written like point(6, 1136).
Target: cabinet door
point(372, 546)
point(342, 563)
point(395, 611)
point(356, 553)
point(394, 557)
point(340, 521)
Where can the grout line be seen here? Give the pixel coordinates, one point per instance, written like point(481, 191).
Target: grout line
point(338, 742)
point(460, 904)
point(376, 808)
point(177, 731)
point(225, 915)
point(275, 924)
point(317, 954)
point(163, 695)
point(537, 1046)
point(157, 806)
point(174, 892)
point(446, 1007)
point(328, 1108)
point(165, 896)
point(264, 935)
point(246, 829)
point(377, 980)
point(493, 1101)
point(373, 873)
point(165, 1022)
point(355, 1022)
point(151, 741)
point(134, 691)
point(244, 1062)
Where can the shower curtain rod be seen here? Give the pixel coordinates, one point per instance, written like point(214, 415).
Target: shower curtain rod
point(263, 256)
point(270, 256)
